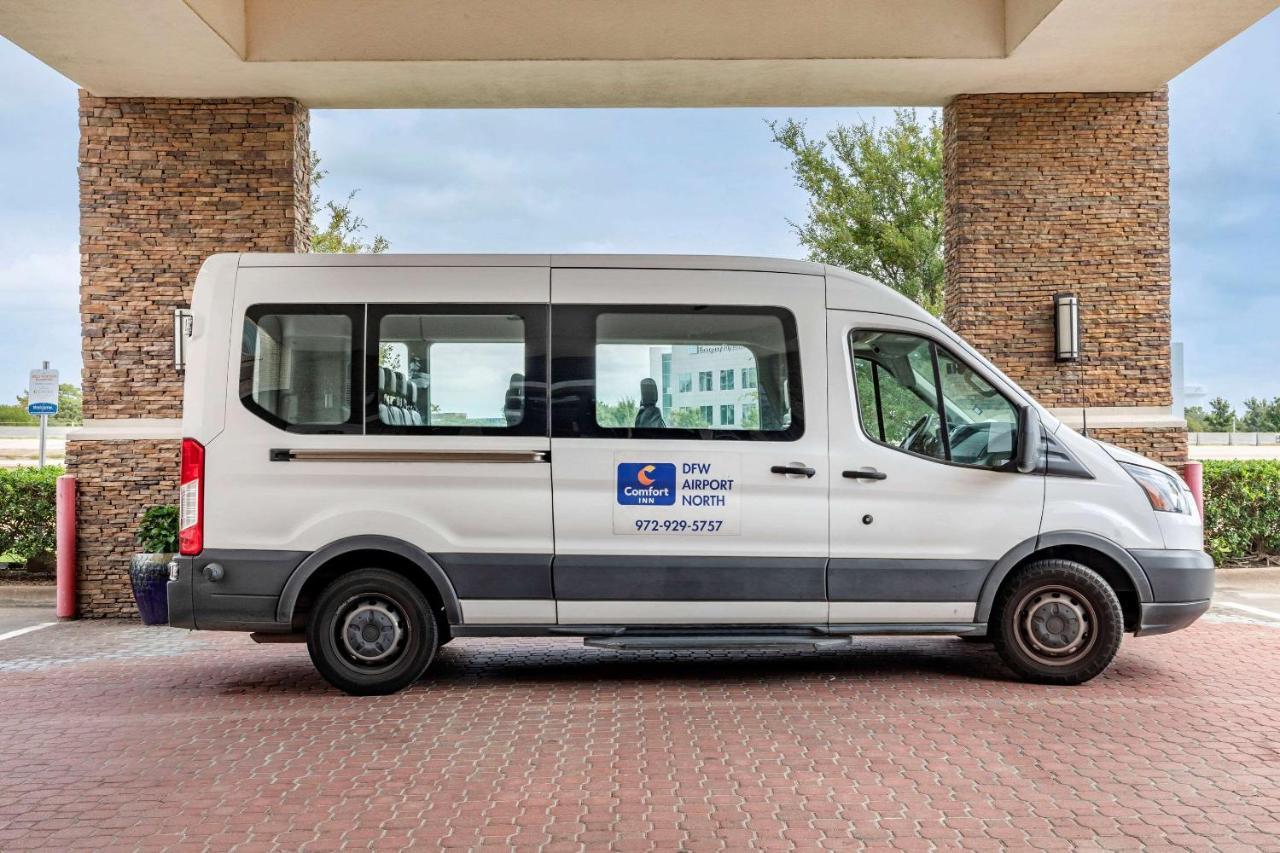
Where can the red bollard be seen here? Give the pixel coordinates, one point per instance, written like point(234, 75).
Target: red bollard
point(66, 546)
point(1193, 473)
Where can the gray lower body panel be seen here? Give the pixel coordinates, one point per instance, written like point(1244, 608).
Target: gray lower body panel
point(244, 597)
point(680, 578)
point(1163, 617)
point(244, 591)
point(905, 580)
point(1177, 575)
point(504, 576)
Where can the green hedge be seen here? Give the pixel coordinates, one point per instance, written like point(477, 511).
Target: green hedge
point(27, 512)
point(1242, 508)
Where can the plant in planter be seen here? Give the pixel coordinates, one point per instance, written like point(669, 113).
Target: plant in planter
point(149, 572)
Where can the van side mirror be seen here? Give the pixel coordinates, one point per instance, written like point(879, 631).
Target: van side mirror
point(1030, 438)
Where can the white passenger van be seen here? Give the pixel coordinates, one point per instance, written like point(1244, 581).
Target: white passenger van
point(386, 452)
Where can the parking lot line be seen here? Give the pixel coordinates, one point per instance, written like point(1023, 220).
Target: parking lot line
point(1246, 608)
point(9, 635)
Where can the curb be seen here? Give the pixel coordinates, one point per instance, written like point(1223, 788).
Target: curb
point(28, 595)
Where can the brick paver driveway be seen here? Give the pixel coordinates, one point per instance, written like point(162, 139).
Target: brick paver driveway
point(114, 735)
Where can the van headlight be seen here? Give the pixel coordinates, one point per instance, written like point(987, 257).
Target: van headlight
point(1164, 491)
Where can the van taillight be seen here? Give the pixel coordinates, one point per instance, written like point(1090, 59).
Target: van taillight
point(191, 499)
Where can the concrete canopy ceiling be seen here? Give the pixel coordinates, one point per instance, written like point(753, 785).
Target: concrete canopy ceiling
point(643, 53)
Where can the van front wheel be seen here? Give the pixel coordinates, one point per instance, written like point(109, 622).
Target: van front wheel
point(1059, 622)
point(371, 632)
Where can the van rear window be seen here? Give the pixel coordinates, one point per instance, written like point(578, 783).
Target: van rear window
point(451, 370)
point(299, 366)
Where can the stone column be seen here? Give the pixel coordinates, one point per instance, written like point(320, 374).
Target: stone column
point(164, 183)
point(1050, 193)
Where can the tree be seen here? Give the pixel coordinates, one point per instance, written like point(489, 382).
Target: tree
point(1222, 417)
point(688, 418)
point(1197, 419)
point(619, 414)
point(1261, 415)
point(16, 414)
point(875, 200)
point(70, 406)
point(750, 409)
point(340, 234)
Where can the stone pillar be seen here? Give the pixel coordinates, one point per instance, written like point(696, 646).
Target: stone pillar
point(1050, 193)
point(164, 183)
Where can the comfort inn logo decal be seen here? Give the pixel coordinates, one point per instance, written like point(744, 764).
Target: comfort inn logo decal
point(647, 483)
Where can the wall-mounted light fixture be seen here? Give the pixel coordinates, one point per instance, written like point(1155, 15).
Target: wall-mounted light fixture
point(1066, 327)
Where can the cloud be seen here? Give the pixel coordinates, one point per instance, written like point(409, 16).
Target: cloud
point(44, 284)
point(1224, 147)
point(558, 180)
point(40, 319)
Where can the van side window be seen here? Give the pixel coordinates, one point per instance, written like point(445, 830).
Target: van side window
point(299, 366)
point(916, 396)
point(457, 370)
point(672, 372)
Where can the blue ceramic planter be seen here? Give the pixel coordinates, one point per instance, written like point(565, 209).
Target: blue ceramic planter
point(149, 576)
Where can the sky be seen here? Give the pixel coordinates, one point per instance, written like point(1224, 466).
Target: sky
point(694, 181)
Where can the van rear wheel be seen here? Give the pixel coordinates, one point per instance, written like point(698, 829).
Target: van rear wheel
point(1058, 622)
point(371, 632)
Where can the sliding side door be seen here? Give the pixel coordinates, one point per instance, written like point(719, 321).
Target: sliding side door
point(689, 447)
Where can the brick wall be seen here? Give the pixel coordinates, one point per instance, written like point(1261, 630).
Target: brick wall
point(164, 183)
point(1049, 193)
point(117, 481)
point(1159, 443)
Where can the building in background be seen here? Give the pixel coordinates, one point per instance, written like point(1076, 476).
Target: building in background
point(711, 386)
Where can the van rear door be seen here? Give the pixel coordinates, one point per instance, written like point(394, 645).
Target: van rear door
point(689, 447)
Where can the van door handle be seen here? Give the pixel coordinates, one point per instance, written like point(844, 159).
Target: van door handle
point(865, 474)
point(793, 469)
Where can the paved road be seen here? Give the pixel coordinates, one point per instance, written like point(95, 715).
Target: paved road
point(21, 445)
point(1248, 594)
point(17, 618)
point(112, 734)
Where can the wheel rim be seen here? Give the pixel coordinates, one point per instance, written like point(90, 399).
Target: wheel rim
point(1055, 625)
point(370, 630)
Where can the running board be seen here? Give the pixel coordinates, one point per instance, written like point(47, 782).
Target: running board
point(745, 636)
point(719, 641)
point(272, 637)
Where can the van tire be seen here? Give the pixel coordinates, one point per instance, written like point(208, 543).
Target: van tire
point(1057, 622)
point(371, 632)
